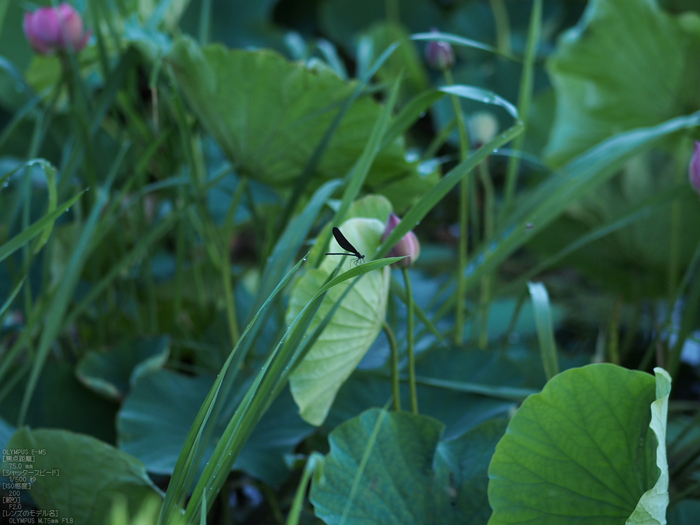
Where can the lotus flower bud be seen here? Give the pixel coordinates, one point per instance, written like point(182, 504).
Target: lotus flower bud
point(694, 169)
point(51, 29)
point(409, 245)
point(439, 55)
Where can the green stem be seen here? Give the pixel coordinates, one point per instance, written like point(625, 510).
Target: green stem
point(463, 214)
point(180, 245)
point(675, 234)
point(204, 22)
point(225, 268)
point(676, 217)
point(395, 392)
point(500, 16)
point(225, 265)
point(271, 499)
point(229, 221)
point(39, 133)
point(439, 140)
point(227, 233)
point(475, 229)
point(411, 354)
point(489, 218)
point(516, 313)
point(463, 256)
point(524, 99)
point(79, 106)
point(687, 325)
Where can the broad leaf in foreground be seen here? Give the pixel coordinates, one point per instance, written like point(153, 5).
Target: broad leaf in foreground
point(581, 450)
point(81, 475)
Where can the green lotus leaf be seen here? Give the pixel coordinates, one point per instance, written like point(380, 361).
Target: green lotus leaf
point(581, 450)
point(626, 65)
point(386, 468)
point(79, 476)
point(269, 114)
point(351, 331)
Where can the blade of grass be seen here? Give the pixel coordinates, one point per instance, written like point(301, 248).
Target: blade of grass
point(502, 23)
point(499, 392)
point(545, 330)
point(104, 9)
point(286, 248)
point(410, 331)
point(5, 177)
point(467, 200)
point(363, 463)
point(177, 492)
point(117, 269)
point(30, 327)
point(330, 53)
point(409, 114)
point(109, 91)
point(18, 77)
point(17, 376)
point(395, 383)
point(300, 340)
point(356, 178)
point(11, 298)
point(551, 198)
point(363, 55)
point(50, 173)
point(421, 208)
point(35, 229)
point(481, 95)
point(204, 23)
point(310, 167)
point(291, 240)
point(637, 212)
point(59, 303)
point(357, 175)
point(96, 23)
point(298, 503)
point(460, 41)
point(260, 393)
point(10, 128)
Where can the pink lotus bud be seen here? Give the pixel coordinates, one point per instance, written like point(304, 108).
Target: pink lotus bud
point(438, 54)
point(694, 169)
point(409, 245)
point(52, 29)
